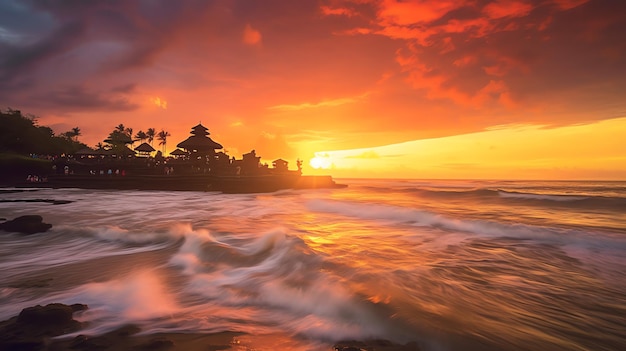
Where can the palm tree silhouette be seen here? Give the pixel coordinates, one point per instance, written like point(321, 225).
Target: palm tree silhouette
point(129, 131)
point(75, 133)
point(141, 136)
point(150, 134)
point(162, 136)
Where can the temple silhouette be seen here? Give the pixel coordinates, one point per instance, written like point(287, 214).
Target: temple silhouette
point(198, 163)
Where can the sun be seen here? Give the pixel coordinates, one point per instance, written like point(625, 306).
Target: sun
point(318, 162)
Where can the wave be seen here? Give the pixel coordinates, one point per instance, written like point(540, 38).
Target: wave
point(533, 196)
point(528, 198)
point(276, 273)
point(404, 215)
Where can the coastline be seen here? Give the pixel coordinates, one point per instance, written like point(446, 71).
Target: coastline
point(188, 182)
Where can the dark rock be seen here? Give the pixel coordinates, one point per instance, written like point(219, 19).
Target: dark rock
point(53, 314)
point(160, 343)
point(29, 224)
point(33, 327)
point(375, 345)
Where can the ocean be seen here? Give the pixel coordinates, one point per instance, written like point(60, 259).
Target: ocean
point(450, 265)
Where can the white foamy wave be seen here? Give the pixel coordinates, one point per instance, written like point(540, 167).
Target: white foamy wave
point(139, 298)
point(280, 277)
point(531, 196)
point(189, 256)
point(117, 234)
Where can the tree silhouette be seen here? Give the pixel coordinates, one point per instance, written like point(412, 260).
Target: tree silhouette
point(76, 133)
point(150, 134)
point(129, 131)
point(120, 128)
point(21, 135)
point(162, 137)
point(141, 136)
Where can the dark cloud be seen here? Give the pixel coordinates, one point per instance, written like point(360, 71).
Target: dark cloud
point(80, 98)
point(16, 60)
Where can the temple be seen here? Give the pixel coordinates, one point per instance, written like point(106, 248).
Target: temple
point(198, 163)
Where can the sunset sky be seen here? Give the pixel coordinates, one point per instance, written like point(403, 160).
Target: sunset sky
point(531, 89)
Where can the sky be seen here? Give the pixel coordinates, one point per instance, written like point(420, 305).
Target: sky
point(508, 89)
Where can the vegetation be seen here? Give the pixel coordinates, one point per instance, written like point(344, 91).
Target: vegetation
point(21, 135)
point(162, 136)
point(28, 148)
point(25, 147)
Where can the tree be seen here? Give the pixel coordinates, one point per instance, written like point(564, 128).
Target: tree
point(150, 134)
point(75, 133)
point(141, 136)
point(20, 134)
point(162, 136)
point(129, 132)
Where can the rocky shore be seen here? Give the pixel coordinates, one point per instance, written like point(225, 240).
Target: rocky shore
point(41, 328)
point(28, 224)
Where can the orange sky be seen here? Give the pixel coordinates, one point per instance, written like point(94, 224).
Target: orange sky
point(374, 88)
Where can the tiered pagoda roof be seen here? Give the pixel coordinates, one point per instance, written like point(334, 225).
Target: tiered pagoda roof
point(199, 140)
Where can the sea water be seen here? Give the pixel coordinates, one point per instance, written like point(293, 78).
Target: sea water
point(450, 265)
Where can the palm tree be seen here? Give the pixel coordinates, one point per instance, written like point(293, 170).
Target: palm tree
point(162, 136)
point(99, 146)
point(120, 128)
point(141, 136)
point(150, 134)
point(75, 133)
point(129, 132)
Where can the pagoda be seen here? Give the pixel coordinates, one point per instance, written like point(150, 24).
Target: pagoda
point(199, 143)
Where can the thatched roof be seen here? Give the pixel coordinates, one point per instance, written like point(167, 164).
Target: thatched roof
point(145, 147)
point(178, 152)
point(200, 143)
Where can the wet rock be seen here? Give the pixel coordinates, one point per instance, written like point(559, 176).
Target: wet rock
point(374, 345)
point(33, 327)
point(29, 224)
point(160, 343)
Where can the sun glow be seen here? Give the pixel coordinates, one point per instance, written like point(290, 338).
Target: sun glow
point(321, 161)
point(586, 151)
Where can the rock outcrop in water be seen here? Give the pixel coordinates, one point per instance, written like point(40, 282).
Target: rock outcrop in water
point(29, 224)
point(34, 326)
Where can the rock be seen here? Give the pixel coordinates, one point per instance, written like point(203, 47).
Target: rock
point(29, 224)
point(374, 345)
point(33, 327)
point(160, 343)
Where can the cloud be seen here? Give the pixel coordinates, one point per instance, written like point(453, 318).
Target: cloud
point(325, 103)
point(17, 60)
point(507, 8)
point(371, 154)
point(160, 103)
point(251, 36)
point(337, 11)
point(485, 54)
point(81, 98)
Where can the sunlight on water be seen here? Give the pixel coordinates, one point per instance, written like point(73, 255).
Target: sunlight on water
point(450, 265)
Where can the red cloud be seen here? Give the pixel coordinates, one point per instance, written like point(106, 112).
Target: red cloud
point(569, 4)
point(415, 12)
point(337, 11)
point(507, 8)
